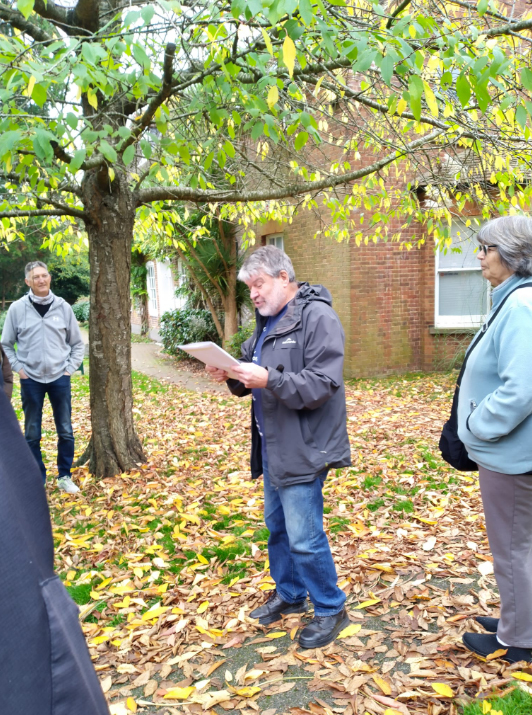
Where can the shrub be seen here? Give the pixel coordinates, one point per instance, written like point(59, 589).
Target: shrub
point(189, 325)
point(81, 310)
point(234, 344)
point(2, 320)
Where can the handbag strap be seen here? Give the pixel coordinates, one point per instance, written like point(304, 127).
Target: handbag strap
point(485, 329)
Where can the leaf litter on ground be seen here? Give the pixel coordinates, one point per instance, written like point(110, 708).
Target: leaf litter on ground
point(168, 560)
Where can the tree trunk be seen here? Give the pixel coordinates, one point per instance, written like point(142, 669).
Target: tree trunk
point(144, 316)
point(115, 446)
point(230, 308)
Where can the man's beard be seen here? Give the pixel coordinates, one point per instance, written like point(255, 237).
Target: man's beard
point(274, 303)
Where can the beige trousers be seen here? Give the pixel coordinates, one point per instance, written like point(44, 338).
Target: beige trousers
point(507, 501)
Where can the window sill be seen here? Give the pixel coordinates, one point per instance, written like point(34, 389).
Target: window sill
point(433, 330)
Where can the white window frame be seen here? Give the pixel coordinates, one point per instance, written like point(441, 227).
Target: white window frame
point(181, 275)
point(456, 321)
point(275, 239)
point(151, 285)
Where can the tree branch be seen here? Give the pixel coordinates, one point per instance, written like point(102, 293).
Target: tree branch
point(402, 5)
point(185, 193)
point(508, 29)
point(16, 19)
point(17, 179)
point(21, 213)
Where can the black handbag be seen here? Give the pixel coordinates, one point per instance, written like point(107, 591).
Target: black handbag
point(451, 446)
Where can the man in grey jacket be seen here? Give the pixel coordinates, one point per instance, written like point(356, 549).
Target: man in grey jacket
point(293, 367)
point(49, 351)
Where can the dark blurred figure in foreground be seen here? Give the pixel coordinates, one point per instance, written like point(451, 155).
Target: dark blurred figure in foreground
point(45, 667)
point(6, 374)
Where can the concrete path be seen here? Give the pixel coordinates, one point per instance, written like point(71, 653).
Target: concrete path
point(146, 358)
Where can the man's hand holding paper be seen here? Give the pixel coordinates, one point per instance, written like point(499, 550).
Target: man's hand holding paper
point(251, 375)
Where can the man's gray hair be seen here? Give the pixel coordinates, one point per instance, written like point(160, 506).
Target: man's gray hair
point(513, 237)
point(267, 259)
point(34, 264)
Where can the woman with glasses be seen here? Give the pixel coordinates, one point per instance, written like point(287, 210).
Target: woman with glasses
point(495, 425)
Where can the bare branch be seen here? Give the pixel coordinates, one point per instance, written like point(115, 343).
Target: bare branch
point(402, 5)
point(21, 213)
point(508, 29)
point(15, 178)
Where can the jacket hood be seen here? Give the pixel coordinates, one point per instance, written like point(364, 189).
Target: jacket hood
point(308, 293)
point(57, 301)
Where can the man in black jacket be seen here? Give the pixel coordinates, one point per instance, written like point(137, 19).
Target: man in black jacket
point(45, 667)
point(293, 366)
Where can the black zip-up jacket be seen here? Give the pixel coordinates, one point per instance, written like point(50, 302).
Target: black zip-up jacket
point(304, 402)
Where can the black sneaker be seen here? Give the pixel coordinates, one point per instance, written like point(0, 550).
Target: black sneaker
point(485, 644)
point(275, 607)
point(488, 624)
point(322, 630)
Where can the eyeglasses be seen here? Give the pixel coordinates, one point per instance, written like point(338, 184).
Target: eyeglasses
point(483, 248)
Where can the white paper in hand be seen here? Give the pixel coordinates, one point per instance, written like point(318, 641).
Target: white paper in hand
point(213, 355)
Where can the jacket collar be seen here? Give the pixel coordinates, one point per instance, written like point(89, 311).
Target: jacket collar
point(502, 290)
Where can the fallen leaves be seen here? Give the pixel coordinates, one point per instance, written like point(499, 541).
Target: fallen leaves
point(168, 560)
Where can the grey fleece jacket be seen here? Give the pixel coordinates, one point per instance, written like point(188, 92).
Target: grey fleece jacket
point(46, 347)
point(304, 402)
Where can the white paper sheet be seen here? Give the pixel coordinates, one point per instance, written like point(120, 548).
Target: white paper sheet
point(211, 354)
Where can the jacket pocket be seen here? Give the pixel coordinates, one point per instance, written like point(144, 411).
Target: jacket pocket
point(75, 686)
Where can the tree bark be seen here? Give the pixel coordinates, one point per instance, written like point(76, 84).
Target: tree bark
point(115, 446)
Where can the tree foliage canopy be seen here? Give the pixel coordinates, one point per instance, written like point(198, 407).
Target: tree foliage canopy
point(248, 104)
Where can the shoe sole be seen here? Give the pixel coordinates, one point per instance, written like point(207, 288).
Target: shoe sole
point(330, 638)
point(266, 620)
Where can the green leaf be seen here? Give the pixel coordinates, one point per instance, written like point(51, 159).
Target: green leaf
point(108, 151)
point(526, 79)
point(141, 57)
point(483, 97)
point(146, 148)
point(71, 120)
point(129, 154)
point(229, 149)
point(305, 10)
point(184, 153)
point(208, 161)
point(521, 115)
point(257, 130)
point(39, 95)
point(221, 158)
point(25, 7)
point(301, 140)
point(147, 13)
point(77, 160)
point(387, 66)
point(8, 140)
point(463, 89)
point(415, 90)
point(482, 6)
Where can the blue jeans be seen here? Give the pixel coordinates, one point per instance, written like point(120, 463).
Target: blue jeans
point(300, 557)
point(58, 391)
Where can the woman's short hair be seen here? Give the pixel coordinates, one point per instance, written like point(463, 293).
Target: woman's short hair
point(513, 237)
point(267, 259)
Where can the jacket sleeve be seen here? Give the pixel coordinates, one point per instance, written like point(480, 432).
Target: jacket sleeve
point(7, 374)
point(505, 408)
point(77, 346)
point(324, 364)
point(9, 338)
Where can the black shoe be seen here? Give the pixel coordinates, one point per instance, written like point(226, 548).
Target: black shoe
point(485, 644)
point(322, 630)
point(275, 607)
point(489, 624)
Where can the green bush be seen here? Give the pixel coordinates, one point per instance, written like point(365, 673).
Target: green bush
point(2, 320)
point(81, 310)
point(234, 344)
point(189, 325)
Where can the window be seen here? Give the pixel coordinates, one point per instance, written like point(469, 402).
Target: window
point(275, 239)
point(180, 300)
point(152, 289)
point(462, 298)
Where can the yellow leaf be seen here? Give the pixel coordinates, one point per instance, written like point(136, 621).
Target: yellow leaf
point(273, 98)
point(179, 693)
point(31, 84)
point(249, 691)
point(293, 633)
point(178, 610)
point(431, 100)
point(365, 604)
point(443, 690)
point(382, 684)
point(350, 630)
point(70, 575)
point(131, 705)
point(519, 675)
point(497, 654)
point(224, 510)
point(103, 584)
point(92, 98)
point(155, 613)
point(289, 54)
point(267, 41)
point(276, 634)
point(401, 106)
point(486, 707)
point(202, 559)
point(202, 607)
point(267, 586)
point(392, 711)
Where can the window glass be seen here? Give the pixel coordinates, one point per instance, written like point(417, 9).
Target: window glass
point(152, 289)
point(275, 240)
